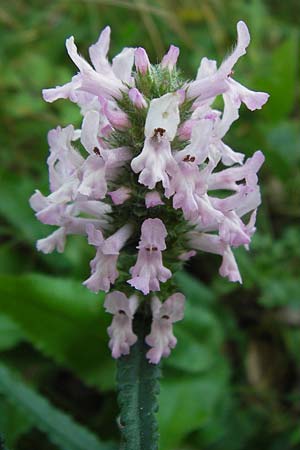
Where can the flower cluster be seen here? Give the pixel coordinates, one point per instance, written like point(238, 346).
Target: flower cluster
point(148, 179)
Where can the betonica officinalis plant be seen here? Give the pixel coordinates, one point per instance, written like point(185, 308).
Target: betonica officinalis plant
point(149, 181)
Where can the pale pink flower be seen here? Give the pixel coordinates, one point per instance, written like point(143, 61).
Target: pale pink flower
point(156, 162)
point(229, 267)
point(198, 149)
point(212, 243)
point(57, 209)
point(180, 159)
point(170, 58)
point(64, 160)
point(189, 187)
point(104, 265)
point(185, 129)
point(102, 78)
point(119, 196)
point(137, 98)
point(245, 200)
point(153, 199)
point(116, 117)
point(163, 114)
point(187, 255)
point(94, 183)
point(228, 178)
point(149, 270)
point(212, 81)
point(120, 330)
point(122, 65)
point(141, 60)
point(55, 241)
point(90, 131)
point(233, 231)
point(161, 338)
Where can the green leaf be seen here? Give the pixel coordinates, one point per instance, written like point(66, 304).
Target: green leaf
point(10, 261)
point(194, 290)
point(284, 139)
point(59, 427)
point(10, 333)
point(200, 334)
point(14, 207)
point(281, 82)
point(138, 387)
point(291, 338)
point(199, 337)
point(187, 402)
point(13, 422)
point(63, 320)
point(283, 292)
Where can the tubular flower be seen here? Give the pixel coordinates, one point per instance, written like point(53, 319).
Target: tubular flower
point(149, 269)
point(120, 331)
point(152, 161)
point(161, 338)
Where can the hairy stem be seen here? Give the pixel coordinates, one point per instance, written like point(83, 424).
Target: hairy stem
point(138, 385)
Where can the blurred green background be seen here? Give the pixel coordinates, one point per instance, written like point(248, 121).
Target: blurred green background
point(232, 383)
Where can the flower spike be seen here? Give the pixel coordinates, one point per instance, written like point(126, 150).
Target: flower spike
point(149, 180)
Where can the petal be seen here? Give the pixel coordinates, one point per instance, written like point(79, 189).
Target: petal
point(55, 241)
point(95, 237)
point(119, 196)
point(116, 241)
point(252, 99)
point(156, 162)
point(116, 300)
point(206, 68)
point(89, 132)
point(137, 98)
point(163, 114)
point(65, 91)
point(153, 234)
point(98, 52)
point(209, 243)
point(170, 58)
point(173, 307)
point(243, 40)
point(229, 267)
point(122, 65)
point(78, 60)
point(38, 201)
point(153, 199)
point(141, 60)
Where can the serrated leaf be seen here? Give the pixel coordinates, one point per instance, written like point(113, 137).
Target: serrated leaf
point(59, 427)
point(63, 320)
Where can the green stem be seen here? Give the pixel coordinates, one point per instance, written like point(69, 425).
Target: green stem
point(138, 385)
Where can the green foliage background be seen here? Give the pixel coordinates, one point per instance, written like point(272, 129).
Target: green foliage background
point(232, 383)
